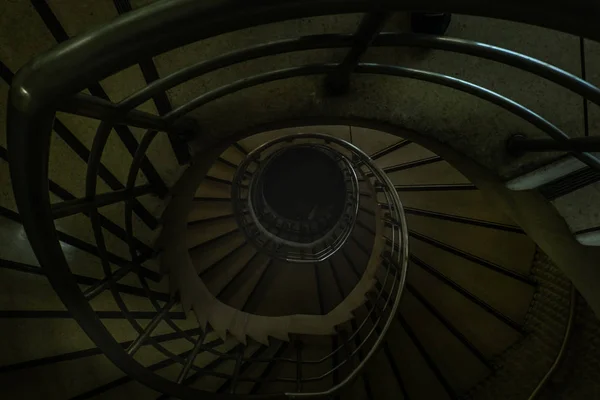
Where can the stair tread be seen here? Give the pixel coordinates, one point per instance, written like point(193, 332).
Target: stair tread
point(254, 141)
point(80, 227)
point(458, 365)
point(294, 291)
point(344, 273)
point(500, 291)
point(486, 332)
point(209, 209)
point(420, 382)
point(469, 204)
point(233, 155)
point(37, 36)
point(33, 292)
point(371, 141)
point(436, 173)
point(358, 258)
point(378, 378)
point(202, 233)
point(49, 331)
point(510, 250)
point(221, 171)
point(68, 170)
point(106, 302)
point(210, 189)
point(327, 286)
point(217, 279)
point(241, 289)
point(205, 257)
point(382, 382)
point(408, 153)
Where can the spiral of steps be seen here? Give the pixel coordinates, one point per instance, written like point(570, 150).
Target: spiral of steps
point(282, 200)
point(464, 302)
point(457, 276)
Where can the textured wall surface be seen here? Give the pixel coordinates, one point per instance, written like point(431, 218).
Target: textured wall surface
point(579, 374)
point(524, 365)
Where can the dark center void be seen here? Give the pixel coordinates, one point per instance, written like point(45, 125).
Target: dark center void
point(304, 184)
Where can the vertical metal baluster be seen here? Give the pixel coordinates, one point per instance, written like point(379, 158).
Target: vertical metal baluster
point(236, 371)
point(263, 378)
point(338, 82)
point(150, 328)
point(334, 363)
point(346, 343)
point(319, 289)
point(299, 348)
point(365, 378)
point(94, 290)
point(190, 360)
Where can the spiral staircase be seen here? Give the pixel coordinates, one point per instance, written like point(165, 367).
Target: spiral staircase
point(279, 199)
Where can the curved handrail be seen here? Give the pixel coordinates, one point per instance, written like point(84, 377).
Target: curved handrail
point(161, 26)
point(507, 57)
point(386, 39)
point(165, 25)
point(433, 77)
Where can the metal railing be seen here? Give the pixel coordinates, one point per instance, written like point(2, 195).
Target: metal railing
point(53, 81)
point(355, 342)
point(285, 239)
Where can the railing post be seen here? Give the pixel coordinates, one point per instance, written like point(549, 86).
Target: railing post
point(190, 360)
point(299, 347)
point(337, 83)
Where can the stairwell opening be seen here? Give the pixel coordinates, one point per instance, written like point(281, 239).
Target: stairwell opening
point(305, 187)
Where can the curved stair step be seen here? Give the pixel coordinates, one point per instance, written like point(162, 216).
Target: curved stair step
point(240, 291)
point(509, 250)
point(221, 170)
point(372, 141)
point(211, 252)
point(219, 275)
point(293, 291)
point(461, 369)
point(409, 153)
point(209, 209)
point(210, 189)
point(469, 204)
point(434, 172)
point(484, 329)
point(197, 235)
point(417, 375)
point(500, 291)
